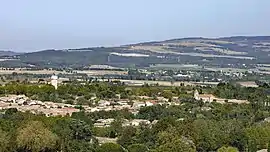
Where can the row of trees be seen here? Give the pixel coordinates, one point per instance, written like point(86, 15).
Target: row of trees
point(25, 132)
point(188, 127)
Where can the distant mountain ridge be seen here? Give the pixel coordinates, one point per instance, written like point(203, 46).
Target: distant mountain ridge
point(232, 38)
point(195, 50)
point(8, 53)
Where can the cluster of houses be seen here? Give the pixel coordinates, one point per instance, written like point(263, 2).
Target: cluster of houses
point(133, 122)
point(23, 103)
point(211, 98)
point(132, 106)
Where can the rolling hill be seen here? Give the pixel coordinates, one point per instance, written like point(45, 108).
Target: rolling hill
point(202, 51)
point(8, 53)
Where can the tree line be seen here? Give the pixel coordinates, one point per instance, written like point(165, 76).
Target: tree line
point(187, 127)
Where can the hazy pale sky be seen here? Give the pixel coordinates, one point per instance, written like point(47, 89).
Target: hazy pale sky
point(31, 25)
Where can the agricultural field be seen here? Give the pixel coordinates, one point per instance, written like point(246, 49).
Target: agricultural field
point(176, 66)
point(164, 83)
point(220, 50)
point(152, 48)
point(101, 72)
point(204, 48)
point(226, 69)
point(217, 56)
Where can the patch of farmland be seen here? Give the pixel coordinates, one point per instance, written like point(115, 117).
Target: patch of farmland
point(226, 69)
point(177, 66)
point(218, 41)
point(191, 44)
point(155, 49)
point(166, 50)
point(217, 56)
point(130, 54)
point(101, 72)
point(220, 50)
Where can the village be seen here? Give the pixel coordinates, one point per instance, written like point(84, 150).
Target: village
point(49, 109)
point(24, 104)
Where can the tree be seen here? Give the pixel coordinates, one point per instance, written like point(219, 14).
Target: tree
point(227, 149)
point(258, 136)
point(80, 130)
point(75, 135)
point(172, 140)
point(167, 94)
point(137, 148)
point(82, 116)
point(11, 111)
point(116, 127)
point(145, 135)
point(35, 137)
point(79, 146)
point(127, 135)
point(110, 147)
point(252, 146)
point(211, 135)
point(151, 113)
point(62, 129)
point(82, 101)
point(268, 148)
point(69, 101)
point(164, 124)
point(4, 141)
point(177, 145)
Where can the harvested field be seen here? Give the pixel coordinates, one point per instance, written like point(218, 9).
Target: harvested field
point(156, 49)
point(164, 83)
point(226, 69)
point(220, 50)
point(166, 50)
point(102, 72)
point(192, 44)
point(217, 56)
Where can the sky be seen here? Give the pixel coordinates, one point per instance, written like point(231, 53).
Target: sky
point(32, 25)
